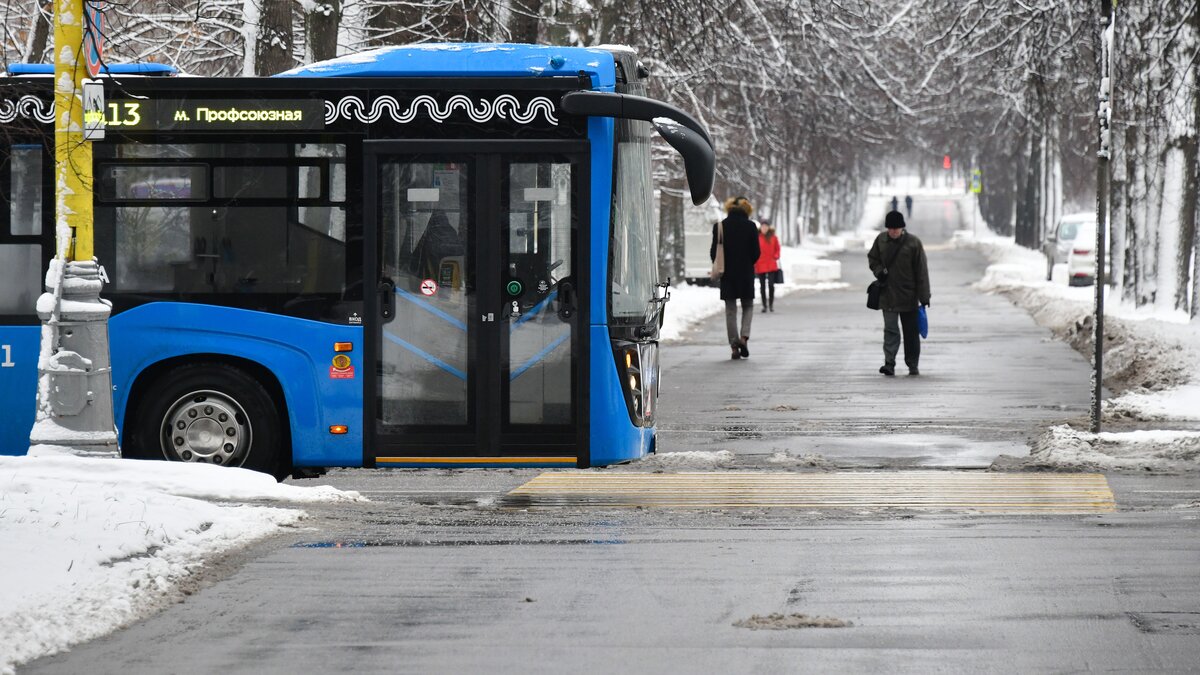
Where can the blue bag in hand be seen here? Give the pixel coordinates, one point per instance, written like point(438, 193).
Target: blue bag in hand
point(922, 322)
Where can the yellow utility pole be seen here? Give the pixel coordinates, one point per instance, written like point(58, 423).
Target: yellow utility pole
point(73, 155)
point(75, 409)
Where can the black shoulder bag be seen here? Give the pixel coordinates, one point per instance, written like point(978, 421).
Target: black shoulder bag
point(876, 287)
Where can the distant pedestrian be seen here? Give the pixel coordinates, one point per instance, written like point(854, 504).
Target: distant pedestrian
point(767, 268)
point(898, 259)
point(895, 203)
point(739, 238)
point(908, 206)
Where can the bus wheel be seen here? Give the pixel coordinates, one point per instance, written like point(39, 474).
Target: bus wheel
point(210, 414)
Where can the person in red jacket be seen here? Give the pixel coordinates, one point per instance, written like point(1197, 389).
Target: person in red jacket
point(767, 267)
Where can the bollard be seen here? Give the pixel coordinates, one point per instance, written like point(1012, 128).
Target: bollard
point(75, 380)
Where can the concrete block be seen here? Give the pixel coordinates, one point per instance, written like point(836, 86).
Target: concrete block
point(815, 271)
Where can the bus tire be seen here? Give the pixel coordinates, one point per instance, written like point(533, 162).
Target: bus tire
point(208, 413)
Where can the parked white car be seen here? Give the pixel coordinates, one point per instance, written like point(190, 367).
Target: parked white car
point(1057, 246)
point(1081, 258)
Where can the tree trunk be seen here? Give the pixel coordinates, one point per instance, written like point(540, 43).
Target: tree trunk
point(321, 30)
point(1177, 225)
point(1194, 309)
point(525, 20)
point(1118, 213)
point(274, 41)
point(1029, 199)
point(40, 35)
point(393, 25)
point(1052, 196)
point(1131, 266)
point(816, 202)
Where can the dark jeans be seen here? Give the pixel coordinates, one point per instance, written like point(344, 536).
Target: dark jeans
point(766, 281)
point(892, 324)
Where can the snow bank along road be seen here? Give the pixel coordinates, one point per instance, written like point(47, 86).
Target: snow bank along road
point(89, 545)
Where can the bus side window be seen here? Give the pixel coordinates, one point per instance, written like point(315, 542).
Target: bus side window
point(20, 252)
point(25, 190)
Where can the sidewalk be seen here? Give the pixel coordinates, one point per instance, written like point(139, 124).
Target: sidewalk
point(990, 376)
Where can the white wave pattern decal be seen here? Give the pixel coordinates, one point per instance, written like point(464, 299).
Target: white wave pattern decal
point(505, 106)
point(502, 107)
point(26, 106)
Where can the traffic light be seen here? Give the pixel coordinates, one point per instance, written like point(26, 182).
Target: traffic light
point(945, 161)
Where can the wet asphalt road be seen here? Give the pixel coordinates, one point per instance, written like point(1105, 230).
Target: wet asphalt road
point(432, 577)
point(436, 574)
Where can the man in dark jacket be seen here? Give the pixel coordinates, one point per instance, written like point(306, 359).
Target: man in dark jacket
point(738, 235)
point(898, 259)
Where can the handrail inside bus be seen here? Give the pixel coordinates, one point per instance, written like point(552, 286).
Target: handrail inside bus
point(689, 138)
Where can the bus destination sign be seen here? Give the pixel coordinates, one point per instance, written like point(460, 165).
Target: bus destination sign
point(218, 115)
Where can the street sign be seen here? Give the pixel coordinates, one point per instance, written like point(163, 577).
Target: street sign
point(93, 37)
point(93, 110)
point(977, 181)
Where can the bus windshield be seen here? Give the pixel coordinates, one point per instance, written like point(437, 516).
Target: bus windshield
point(634, 254)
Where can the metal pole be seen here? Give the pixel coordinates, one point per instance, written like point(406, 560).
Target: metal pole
point(75, 380)
point(1104, 112)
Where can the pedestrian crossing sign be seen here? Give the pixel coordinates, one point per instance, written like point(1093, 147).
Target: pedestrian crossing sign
point(976, 181)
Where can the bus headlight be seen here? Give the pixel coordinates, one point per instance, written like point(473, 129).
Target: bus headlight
point(637, 368)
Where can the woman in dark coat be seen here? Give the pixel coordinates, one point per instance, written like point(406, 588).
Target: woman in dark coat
point(739, 237)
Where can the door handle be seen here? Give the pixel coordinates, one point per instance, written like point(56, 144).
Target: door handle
point(566, 300)
point(387, 299)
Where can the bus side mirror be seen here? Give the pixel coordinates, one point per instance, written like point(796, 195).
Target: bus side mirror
point(699, 161)
point(689, 138)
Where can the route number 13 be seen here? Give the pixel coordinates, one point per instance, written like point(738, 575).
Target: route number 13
point(7, 362)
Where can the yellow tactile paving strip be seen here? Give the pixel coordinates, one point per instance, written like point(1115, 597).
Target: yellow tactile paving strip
point(963, 491)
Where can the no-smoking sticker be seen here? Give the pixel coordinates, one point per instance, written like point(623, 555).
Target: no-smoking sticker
point(428, 287)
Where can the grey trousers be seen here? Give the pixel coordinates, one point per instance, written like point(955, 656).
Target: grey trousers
point(892, 323)
point(731, 324)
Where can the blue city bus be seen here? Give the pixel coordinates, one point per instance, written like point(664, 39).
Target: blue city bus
point(429, 255)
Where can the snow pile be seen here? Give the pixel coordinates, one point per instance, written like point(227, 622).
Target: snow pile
point(90, 545)
point(1062, 447)
point(183, 479)
point(1182, 403)
point(1151, 363)
point(693, 459)
point(688, 306)
point(784, 459)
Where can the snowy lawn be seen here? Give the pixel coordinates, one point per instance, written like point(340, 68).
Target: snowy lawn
point(89, 545)
point(1152, 365)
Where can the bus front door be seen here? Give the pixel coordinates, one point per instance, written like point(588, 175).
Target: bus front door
point(475, 326)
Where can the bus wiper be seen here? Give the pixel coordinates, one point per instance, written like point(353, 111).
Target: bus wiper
point(658, 303)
